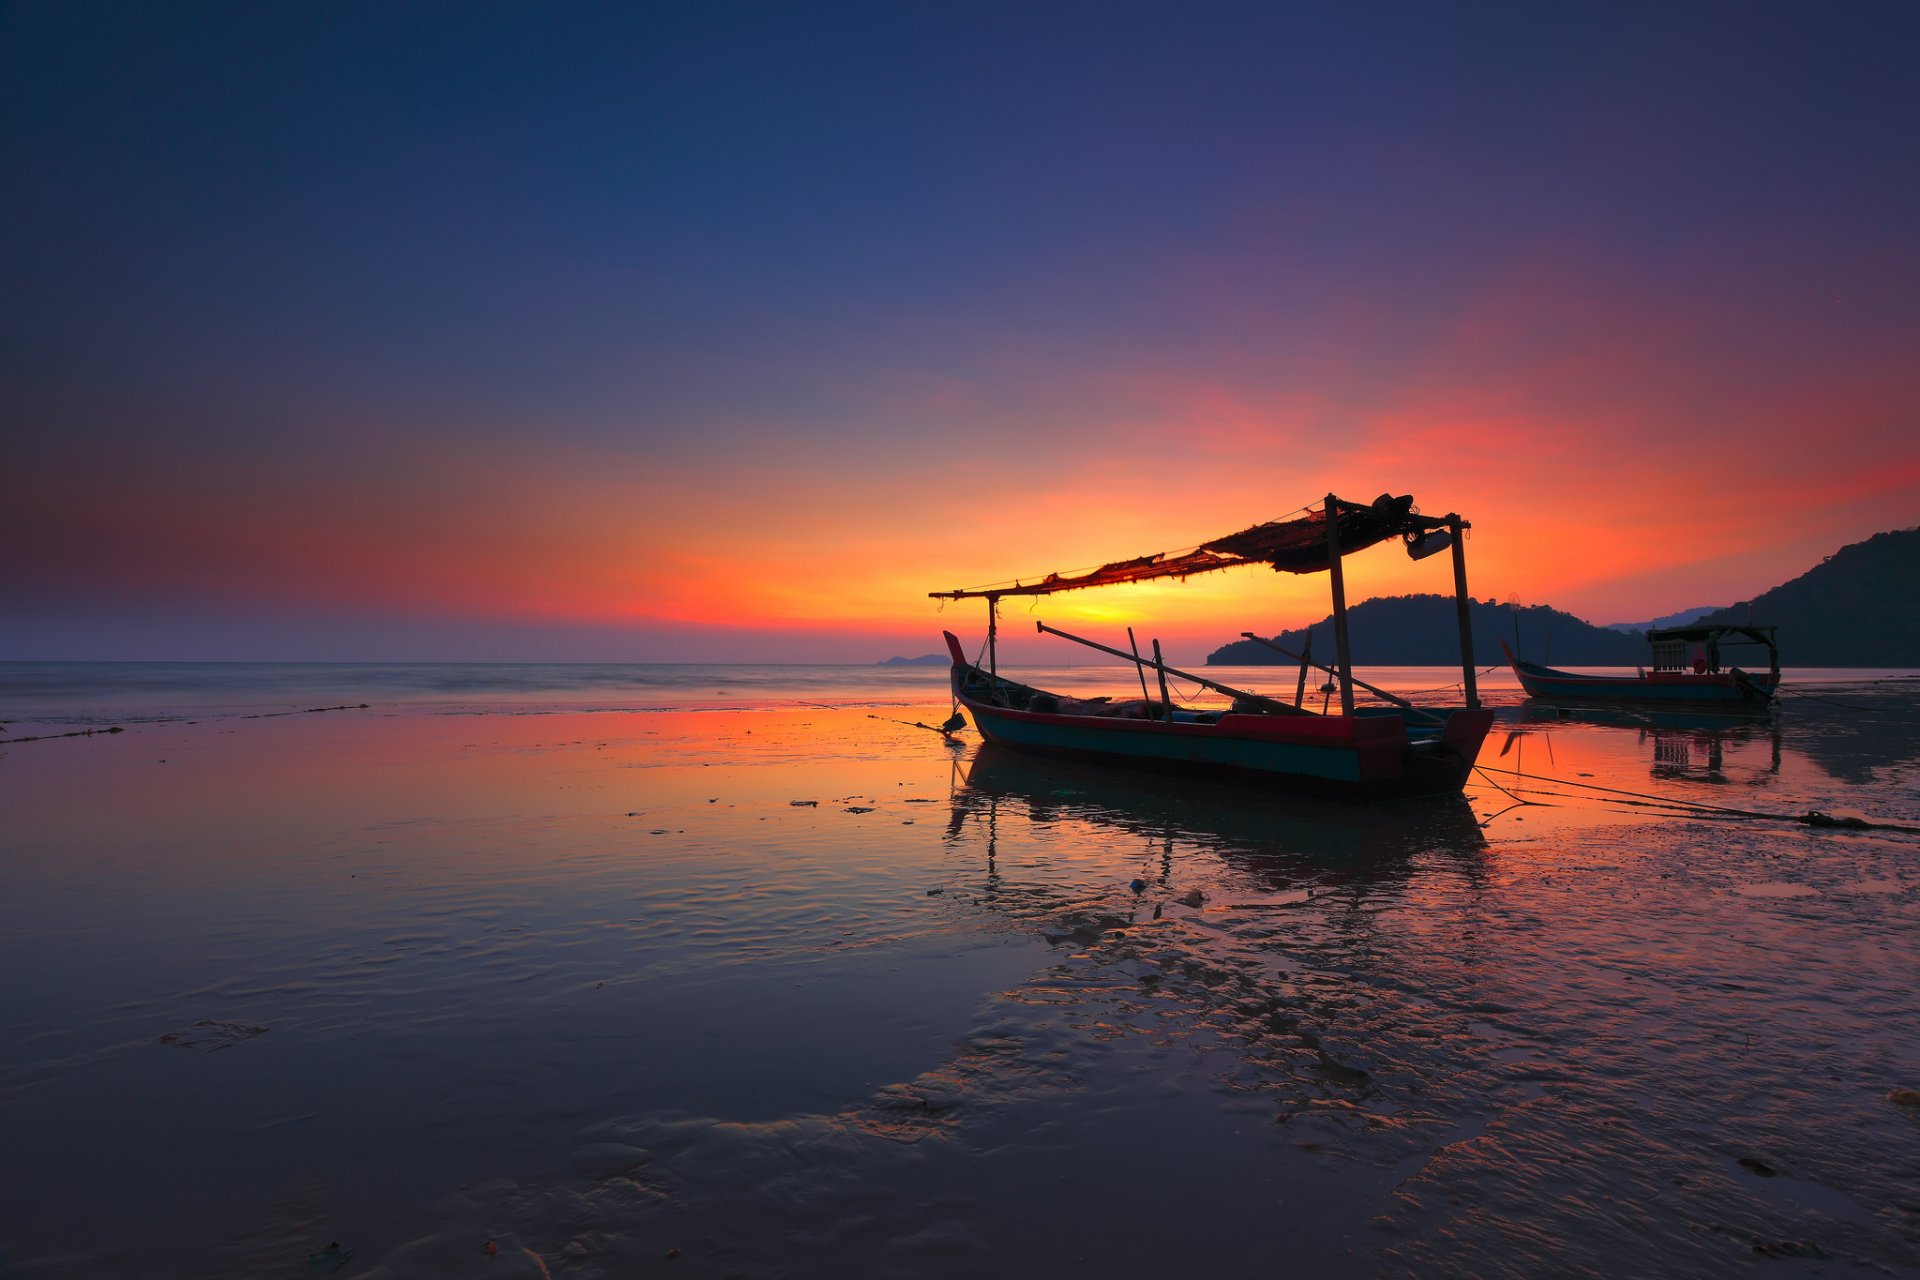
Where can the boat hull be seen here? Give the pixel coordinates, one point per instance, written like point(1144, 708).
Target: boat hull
point(1719, 691)
point(1365, 757)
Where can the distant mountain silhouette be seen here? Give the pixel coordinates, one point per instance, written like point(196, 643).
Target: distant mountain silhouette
point(1858, 608)
point(924, 660)
point(1679, 619)
point(1412, 631)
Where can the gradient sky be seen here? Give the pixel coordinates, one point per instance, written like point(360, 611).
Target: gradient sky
point(726, 332)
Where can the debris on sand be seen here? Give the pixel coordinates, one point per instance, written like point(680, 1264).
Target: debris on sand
point(331, 1258)
point(77, 733)
point(211, 1034)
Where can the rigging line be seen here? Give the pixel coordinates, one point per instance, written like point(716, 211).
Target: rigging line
point(1440, 688)
point(1638, 799)
point(1675, 808)
point(1812, 818)
point(1193, 695)
point(913, 724)
point(1628, 800)
point(1517, 801)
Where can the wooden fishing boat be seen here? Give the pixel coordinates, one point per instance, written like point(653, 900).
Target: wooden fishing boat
point(1362, 752)
point(1686, 673)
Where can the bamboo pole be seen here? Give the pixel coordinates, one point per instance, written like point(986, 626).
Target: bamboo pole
point(1306, 658)
point(1166, 702)
point(1343, 652)
point(1138, 669)
point(1463, 605)
point(993, 633)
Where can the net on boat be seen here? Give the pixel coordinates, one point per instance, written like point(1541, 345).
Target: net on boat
point(1297, 545)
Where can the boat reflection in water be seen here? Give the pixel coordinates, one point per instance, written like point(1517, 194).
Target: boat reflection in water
point(1053, 809)
point(1685, 747)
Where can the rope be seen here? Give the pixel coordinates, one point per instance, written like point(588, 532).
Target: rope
point(1456, 684)
point(1517, 801)
point(1812, 818)
point(1844, 706)
point(946, 732)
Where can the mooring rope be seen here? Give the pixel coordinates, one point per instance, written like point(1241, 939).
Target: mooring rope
point(1882, 713)
point(1442, 688)
point(1811, 818)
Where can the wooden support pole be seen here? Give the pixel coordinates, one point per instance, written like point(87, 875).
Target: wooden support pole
point(1138, 669)
point(1463, 606)
point(993, 631)
point(1166, 702)
point(1306, 658)
point(1343, 652)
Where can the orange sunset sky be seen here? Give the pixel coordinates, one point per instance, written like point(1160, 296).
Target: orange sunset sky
point(727, 333)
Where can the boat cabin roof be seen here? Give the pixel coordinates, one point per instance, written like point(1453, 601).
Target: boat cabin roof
point(1754, 635)
point(1678, 648)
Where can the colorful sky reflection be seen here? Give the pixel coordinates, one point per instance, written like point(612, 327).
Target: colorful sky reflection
point(726, 332)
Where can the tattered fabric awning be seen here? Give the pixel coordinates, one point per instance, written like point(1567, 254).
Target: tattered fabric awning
point(1297, 545)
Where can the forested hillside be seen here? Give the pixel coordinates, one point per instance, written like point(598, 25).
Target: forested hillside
point(1858, 608)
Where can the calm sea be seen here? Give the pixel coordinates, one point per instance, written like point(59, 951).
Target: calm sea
point(86, 694)
point(720, 971)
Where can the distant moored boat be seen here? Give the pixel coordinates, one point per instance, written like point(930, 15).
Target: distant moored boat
point(1686, 672)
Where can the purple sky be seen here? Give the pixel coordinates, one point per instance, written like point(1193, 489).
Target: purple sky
point(683, 332)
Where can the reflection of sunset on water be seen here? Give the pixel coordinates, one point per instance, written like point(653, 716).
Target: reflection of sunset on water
point(698, 974)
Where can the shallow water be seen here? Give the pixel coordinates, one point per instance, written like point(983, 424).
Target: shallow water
point(600, 986)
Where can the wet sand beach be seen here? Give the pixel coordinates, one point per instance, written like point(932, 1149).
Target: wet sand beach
point(804, 990)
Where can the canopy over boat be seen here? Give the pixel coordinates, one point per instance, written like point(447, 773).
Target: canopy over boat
point(1397, 750)
point(1301, 544)
point(1314, 540)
